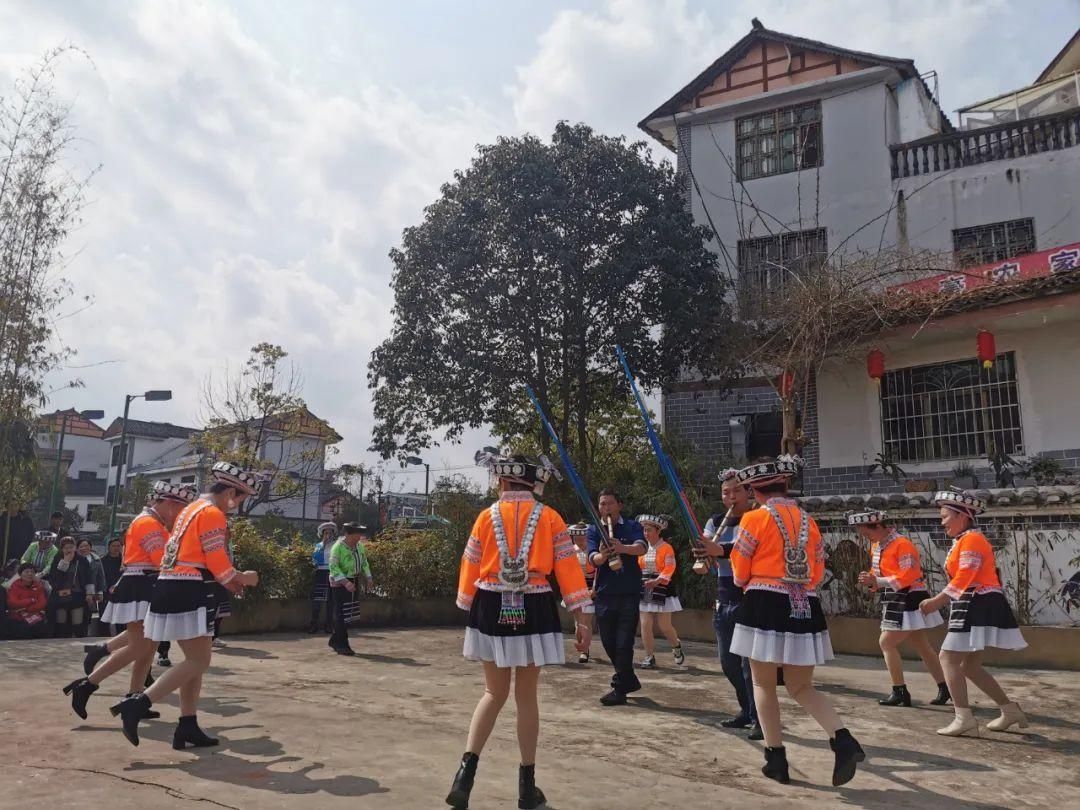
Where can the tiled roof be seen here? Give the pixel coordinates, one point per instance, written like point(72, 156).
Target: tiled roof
point(835, 506)
point(150, 430)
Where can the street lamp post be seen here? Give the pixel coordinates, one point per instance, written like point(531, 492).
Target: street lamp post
point(149, 396)
point(427, 476)
point(60, 452)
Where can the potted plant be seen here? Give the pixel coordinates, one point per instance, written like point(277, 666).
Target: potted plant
point(964, 476)
point(884, 462)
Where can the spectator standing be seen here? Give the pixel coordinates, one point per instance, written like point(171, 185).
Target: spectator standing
point(86, 550)
point(26, 603)
point(72, 581)
point(57, 525)
point(16, 531)
point(320, 587)
point(111, 564)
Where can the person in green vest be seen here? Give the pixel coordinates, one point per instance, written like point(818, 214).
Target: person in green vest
point(348, 561)
point(41, 552)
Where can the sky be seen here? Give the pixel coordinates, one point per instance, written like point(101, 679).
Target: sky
point(258, 159)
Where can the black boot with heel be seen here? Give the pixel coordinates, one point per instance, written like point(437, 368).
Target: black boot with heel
point(848, 755)
point(776, 766)
point(188, 733)
point(80, 692)
point(131, 710)
point(529, 795)
point(458, 798)
point(900, 697)
point(943, 696)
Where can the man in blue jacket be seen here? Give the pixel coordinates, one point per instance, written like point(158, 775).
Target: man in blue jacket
point(618, 593)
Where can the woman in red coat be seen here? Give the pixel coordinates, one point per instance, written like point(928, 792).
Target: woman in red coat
point(26, 602)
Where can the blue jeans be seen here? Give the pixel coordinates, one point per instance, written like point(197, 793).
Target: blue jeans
point(617, 617)
point(736, 668)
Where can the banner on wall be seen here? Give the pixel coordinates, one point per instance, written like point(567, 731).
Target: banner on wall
point(1031, 265)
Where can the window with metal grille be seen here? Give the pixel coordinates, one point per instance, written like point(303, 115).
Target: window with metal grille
point(951, 410)
point(767, 265)
point(996, 242)
point(779, 141)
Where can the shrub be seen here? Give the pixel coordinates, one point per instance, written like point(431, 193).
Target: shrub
point(414, 564)
point(282, 561)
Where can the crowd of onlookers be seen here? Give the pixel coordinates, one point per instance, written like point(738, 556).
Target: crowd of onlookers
point(58, 586)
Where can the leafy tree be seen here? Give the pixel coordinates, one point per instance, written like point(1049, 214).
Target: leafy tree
point(534, 262)
point(257, 419)
point(41, 197)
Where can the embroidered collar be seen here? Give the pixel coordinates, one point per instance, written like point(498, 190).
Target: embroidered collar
point(515, 495)
point(893, 535)
point(781, 500)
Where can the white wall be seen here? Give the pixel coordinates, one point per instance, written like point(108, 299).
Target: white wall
point(852, 185)
point(91, 455)
point(144, 451)
point(1047, 357)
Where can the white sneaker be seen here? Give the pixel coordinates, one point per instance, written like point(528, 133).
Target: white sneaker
point(1011, 715)
point(218, 644)
point(962, 723)
point(678, 655)
point(648, 663)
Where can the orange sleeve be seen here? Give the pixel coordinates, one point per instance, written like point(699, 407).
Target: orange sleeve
point(665, 563)
point(970, 557)
point(746, 543)
point(469, 572)
point(213, 532)
point(566, 568)
point(815, 553)
point(908, 568)
point(152, 541)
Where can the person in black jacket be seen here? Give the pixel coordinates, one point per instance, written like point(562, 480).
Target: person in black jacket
point(73, 590)
point(111, 564)
point(16, 531)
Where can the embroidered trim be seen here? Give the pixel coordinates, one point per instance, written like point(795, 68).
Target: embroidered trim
point(970, 560)
point(516, 495)
point(472, 550)
point(564, 546)
point(745, 543)
point(498, 587)
point(577, 599)
point(775, 587)
point(907, 562)
point(464, 600)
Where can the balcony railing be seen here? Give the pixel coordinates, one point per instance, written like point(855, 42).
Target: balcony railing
point(1030, 136)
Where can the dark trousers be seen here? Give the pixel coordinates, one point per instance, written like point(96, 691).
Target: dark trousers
point(319, 587)
point(617, 618)
point(736, 668)
point(339, 639)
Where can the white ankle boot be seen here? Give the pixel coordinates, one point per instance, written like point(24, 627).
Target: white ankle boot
point(962, 723)
point(1011, 715)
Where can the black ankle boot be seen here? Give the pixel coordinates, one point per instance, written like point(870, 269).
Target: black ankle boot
point(150, 713)
point(943, 696)
point(458, 798)
point(130, 711)
point(149, 681)
point(848, 754)
point(94, 653)
point(775, 766)
point(80, 692)
point(529, 795)
point(900, 697)
point(188, 733)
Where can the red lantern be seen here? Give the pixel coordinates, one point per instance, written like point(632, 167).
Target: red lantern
point(987, 349)
point(786, 384)
point(875, 365)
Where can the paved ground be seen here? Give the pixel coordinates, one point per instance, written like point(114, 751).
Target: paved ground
point(302, 728)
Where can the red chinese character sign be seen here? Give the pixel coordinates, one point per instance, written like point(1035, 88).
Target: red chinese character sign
point(1062, 259)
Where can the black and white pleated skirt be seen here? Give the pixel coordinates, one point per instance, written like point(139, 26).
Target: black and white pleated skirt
point(130, 599)
point(181, 609)
point(661, 599)
point(537, 642)
point(900, 611)
point(978, 621)
point(766, 631)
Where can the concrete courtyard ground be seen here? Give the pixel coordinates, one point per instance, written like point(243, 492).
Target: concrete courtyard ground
point(302, 728)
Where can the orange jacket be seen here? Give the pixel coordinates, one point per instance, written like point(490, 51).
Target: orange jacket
point(664, 562)
point(144, 542)
point(898, 565)
point(199, 542)
point(971, 564)
point(551, 550)
point(758, 555)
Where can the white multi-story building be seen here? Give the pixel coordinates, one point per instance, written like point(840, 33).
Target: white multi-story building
point(795, 151)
